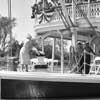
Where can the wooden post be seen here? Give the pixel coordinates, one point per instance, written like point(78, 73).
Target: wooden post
point(73, 29)
point(42, 40)
point(74, 37)
point(88, 9)
point(62, 53)
point(73, 12)
point(53, 54)
point(84, 61)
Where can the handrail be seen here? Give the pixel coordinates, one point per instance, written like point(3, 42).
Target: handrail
point(94, 12)
point(85, 17)
point(62, 16)
point(76, 68)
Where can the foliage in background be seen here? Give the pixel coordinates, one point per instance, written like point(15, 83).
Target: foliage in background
point(48, 48)
point(6, 25)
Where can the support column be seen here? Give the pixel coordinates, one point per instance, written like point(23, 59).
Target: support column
point(73, 30)
point(73, 12)
point(42, 45)
point(53, 54)
point(88, 15)
point(62, 54)
point(74, 37)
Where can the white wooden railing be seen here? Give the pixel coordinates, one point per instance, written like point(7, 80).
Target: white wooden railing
point(92, 10)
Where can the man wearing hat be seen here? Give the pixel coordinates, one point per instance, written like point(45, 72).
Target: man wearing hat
point(87, 55)
point(79, 57)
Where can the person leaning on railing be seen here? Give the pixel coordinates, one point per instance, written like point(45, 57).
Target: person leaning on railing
point(79, 56)
point(87, 55)
point(83, 55)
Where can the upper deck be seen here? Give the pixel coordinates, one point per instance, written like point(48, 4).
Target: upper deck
point(91, 10)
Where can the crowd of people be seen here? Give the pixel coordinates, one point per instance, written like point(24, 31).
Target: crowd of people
point(84, 53)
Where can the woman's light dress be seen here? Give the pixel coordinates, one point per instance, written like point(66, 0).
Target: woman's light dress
point(24, 53)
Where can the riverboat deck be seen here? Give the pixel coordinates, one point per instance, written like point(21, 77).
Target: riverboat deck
point(46, 76)
point(50, 84)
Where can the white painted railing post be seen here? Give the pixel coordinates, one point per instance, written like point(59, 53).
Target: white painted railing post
point(73, 12)
point(53, 54)
point(88, 15)
point(42, 44)
point(62, 52)
point(84, 61)
point(73, 30)
point(62, 55)
point(74, 37)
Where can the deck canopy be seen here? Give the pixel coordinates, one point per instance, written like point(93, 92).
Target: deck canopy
point(67, 34)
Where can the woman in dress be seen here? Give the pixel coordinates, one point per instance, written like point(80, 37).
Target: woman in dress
point(24, 52)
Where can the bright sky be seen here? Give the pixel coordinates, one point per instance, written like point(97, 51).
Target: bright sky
point(21, 10)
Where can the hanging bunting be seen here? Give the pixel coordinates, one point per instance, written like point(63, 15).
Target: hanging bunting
point(44, 9)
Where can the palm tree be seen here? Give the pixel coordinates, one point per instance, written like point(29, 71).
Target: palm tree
point(6, 24)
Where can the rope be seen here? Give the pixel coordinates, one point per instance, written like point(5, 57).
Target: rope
point(77, 63)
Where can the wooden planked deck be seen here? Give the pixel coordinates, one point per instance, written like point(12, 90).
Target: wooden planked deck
point(53, 77)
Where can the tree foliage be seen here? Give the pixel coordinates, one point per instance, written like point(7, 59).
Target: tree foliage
point(48, 48)
point(6, 24)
